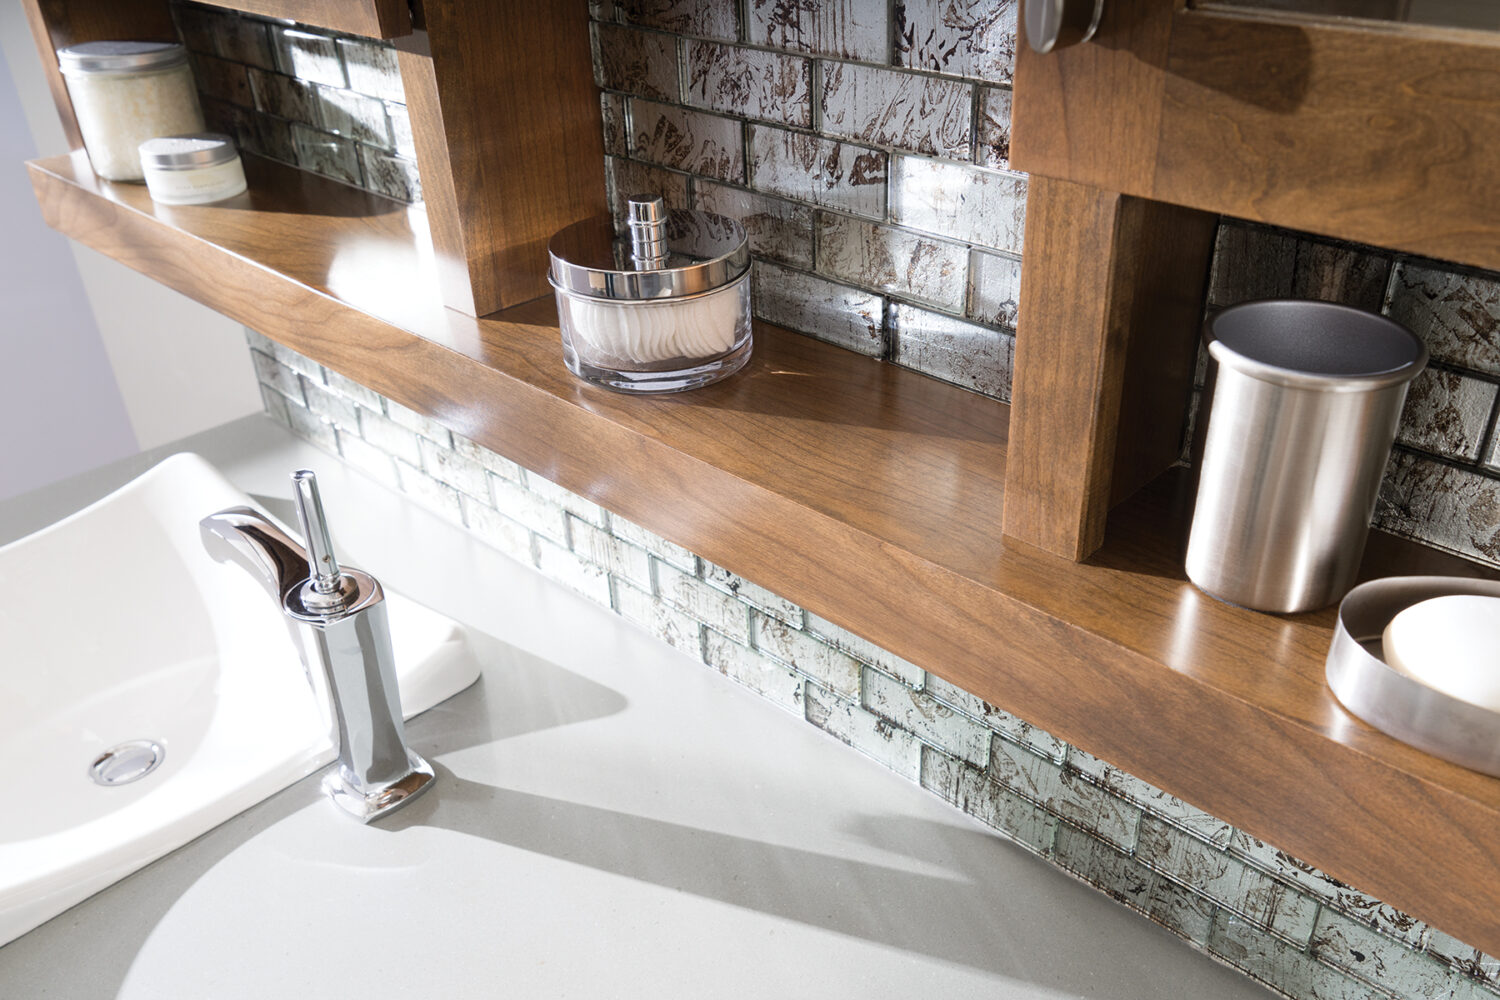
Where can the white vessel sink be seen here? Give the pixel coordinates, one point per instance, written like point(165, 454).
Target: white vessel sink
point(116, 627)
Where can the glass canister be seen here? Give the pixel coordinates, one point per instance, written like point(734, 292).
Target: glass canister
point(660, 307)
point(124, 93)
point(192, 169)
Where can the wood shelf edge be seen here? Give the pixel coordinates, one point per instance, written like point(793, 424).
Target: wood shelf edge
point(1355, 804)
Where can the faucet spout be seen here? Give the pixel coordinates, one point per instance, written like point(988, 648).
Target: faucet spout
point(338, 621)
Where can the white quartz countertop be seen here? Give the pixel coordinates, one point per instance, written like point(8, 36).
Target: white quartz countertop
point(611, 819)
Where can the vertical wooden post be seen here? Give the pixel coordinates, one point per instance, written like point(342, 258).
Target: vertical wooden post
point(509, 140)
point(1111, 299)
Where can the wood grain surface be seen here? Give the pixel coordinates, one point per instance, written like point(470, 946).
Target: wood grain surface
point(371, 18)
point(872, 496)
point(1387, 135)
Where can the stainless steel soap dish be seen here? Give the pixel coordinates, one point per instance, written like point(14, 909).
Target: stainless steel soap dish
point(1394, 703)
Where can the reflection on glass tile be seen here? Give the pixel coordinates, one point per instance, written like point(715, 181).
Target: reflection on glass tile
point(838, 314)
point(974, 38)
point(821, 171)
point(778, 229)
point(892, 260)
point(640, 62)
point(884, 107)
point(853, 29)
point(694, 141)
point(750, 82)
point(962, 202)
point(971, 355)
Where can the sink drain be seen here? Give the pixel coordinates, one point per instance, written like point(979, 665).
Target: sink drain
point(126, 762)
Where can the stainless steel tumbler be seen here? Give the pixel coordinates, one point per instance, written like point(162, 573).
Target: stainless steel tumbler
point(1303, 400)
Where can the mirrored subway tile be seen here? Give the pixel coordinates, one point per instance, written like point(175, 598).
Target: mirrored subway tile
point(1281, 966)
point(619, 559)
point(330, 406)
point(752, 594)
point(779, 229)
point(354, 115)
point(1452, 508)
point(199, 28)
point(1333, 273)
point(629, 177)
point(1085, 805)
point(393, 176)
point(994, 128)
point(244, 40)
point(402, 140)
point(906, 672)
point(389, 436)
point(849, 317)
point(851, 29)
point(224, 80)
point(498, 531)
point(1447, 413)
point(995, 289)
point(893, 260)
point(668, 552)
point(519, 504)
point(612, 114)
point(750, 82)
point(418, 423)
point(569, 501)
point(884, 107)
point(492, 462)
point(959, 201)
point(275, 375)
point(1456, 314)
point(352, 390)
point(702, 18)
point(284, 97)
point(771, 680)
point(1378, 960)
point(966, 354)
point(372, 69)
point(928, 719)
point(368, 459)
point(712, 607)
point(993, 805)
point(1178, 909)
point(1251, 262)
point(440, 498)
point(1150, 798)
point(694, 141)
point(452, 469)
point(308, 56)
point(1494, 460)
point(997, 719)
point(659, 618)
point(1469, 961)
point(578, 575)
point(974, 38)
point(821, 171)
point(273, 137)
point(836, 671)
point(640, 62)
point(866, 732)
point(1226, 879)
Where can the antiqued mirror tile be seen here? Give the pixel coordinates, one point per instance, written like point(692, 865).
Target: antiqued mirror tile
point(916, 712)
point(1279, 965)
point(778, 229)
point(1456, 314)
point(1178, 909)
point(392, 176)
point(627, 177)
point(612, 115)
point(995, 289)
point(639, 62)
point(1468, 960)
point(1084, 805)
point(329, 155)
point(1368, 955)
point(703, 18)
point(994, 128)
point(1150, 798)
point(884, 660)
point(827, 666)
point(1442, 505)
point(225, 80)
point(820, 171)
point(849, 317)
point(967, 354)
point(865, 731)
point(974, 38)
point(997, 718)
point(1447, 413)
point(372, 69)
point(892, 260)
point(991, 804)
point(245, 40)
point(308, 56)
point(1332, 273)
point(1251, 262)
point(851, 29)
point(1214, 873)
point(694, 141)
point(750, 82)
point(354, 115)
point(284, 97)
point(961, 202)
point(199, 28)
point(883, 107)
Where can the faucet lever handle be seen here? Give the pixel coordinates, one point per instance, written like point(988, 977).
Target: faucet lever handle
point(322, 565)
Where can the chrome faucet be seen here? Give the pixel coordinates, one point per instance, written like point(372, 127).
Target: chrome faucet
point(338, 621)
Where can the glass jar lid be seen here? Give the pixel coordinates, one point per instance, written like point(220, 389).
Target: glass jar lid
point(119, 57)
point(659, 254)
point(187, 152)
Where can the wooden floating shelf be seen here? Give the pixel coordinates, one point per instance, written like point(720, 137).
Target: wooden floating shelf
point(872, 496)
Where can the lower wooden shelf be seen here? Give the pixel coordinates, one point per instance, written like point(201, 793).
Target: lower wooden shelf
point(872, 496)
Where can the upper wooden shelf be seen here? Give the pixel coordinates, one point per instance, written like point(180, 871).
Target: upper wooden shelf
point(371, 18)
point(870, 495)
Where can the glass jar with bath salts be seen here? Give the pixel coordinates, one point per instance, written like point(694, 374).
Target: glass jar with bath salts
point(124, 93)
point(192, 169)
point(661, 305)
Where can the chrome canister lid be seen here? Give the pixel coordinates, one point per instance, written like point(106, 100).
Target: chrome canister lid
point(119, 57)
point(658, 254)
point(187, 152)
point(1322, 345)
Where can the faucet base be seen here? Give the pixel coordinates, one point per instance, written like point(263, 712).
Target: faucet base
point(366, 804)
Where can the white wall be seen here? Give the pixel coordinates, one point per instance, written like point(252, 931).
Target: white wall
point(95, 360)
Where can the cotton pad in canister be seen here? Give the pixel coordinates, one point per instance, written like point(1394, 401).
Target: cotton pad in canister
point(1452, 644)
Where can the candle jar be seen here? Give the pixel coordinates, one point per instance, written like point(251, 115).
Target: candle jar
point(124, 93)
point(661, 307)
point(192, 169)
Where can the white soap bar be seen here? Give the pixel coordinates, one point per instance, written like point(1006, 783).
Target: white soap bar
point(1451, 644)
